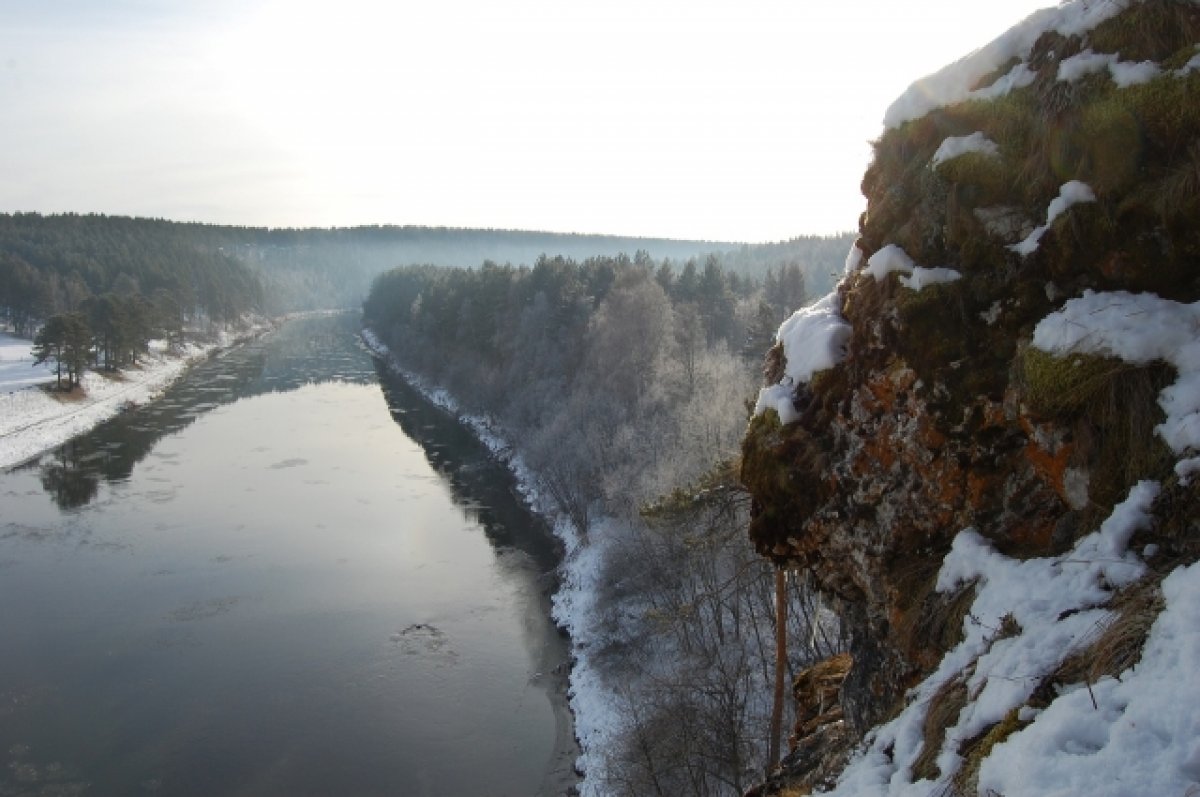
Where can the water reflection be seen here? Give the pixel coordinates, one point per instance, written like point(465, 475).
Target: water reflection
point(301, 604)
point(67, 477)
point(303, 351)
point(485, 491)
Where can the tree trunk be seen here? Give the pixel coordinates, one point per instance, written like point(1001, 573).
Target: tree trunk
point(780, 667)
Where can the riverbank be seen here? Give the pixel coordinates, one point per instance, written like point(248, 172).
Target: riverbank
point(586, 712)
point(34, 419)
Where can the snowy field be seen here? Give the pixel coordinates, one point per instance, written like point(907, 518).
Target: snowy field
point(17, 370)
point(33, 420)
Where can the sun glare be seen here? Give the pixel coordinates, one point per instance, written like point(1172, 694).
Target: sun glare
point(745, 121)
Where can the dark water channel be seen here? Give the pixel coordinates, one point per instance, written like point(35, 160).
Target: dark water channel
point(287, 576)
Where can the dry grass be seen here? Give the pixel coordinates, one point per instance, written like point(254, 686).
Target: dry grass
point(795, 791)
point(1117, 645)
point(75, 394)
point(944, 708)
point(1112, 409)
point(1174, 197)
point(1055, 386)
point(1153, 30)
point(935, 623)
point(976, 751)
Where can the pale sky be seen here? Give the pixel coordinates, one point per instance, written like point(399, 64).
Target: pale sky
point(737, 120)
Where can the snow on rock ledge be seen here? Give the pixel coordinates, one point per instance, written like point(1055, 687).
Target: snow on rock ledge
point(1124, 73)
point(813, 339)
point(1051, 605)
point(1140, 736)
point(954, 83)
point(1139, 329)
point(956, 146)
point(892, 258)
point(1071, 193)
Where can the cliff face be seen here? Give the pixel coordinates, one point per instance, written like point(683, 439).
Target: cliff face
point(1005, 373)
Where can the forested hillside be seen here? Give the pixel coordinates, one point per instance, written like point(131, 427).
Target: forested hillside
point(321, 268)
point(622, 383)
point(48, 262)
point(56, 264)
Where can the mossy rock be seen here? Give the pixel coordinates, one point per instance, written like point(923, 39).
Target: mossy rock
point(945, 342)
point(1110, 152)
point(782, 467)
point(1111, 408)
point(1172, 196)
point(1152, 30)
point(1181, 57)
point(980, 179)
point(1166, 109)
point(1055, 386)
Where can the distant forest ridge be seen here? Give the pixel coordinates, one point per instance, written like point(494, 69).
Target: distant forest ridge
point(220, 269)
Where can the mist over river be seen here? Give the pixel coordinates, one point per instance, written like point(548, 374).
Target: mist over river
point(290, 575)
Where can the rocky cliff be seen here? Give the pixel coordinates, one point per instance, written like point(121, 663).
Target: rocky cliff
point(981, 444)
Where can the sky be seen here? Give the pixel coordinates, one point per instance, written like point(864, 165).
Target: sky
point(729, 120)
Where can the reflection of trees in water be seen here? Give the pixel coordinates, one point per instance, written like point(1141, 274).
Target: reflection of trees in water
point(67, 480)
point(481, 487)
point(302, 351)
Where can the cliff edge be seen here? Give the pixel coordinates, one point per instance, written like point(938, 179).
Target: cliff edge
point(983, 443)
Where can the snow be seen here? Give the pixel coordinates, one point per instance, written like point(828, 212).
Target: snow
point(1082, 64)
point(1193, 65)
point(888, 259)
point(813, 339)
point(1124, 73)
point(575, 608)
point(853, 259)
point(954, 146)
point(33, 420)
point(1139, 329)
point(1185, 468)
point(1142, 735)
point(892, 258)
point(1129, 73)
point(1052, 606)
point(1018, 77)
point(1071, 193)
point(991, 315)
point(17, 370)
point(922, 277)
point(953, 83)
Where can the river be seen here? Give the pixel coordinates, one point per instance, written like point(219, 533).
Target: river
point(289, 575)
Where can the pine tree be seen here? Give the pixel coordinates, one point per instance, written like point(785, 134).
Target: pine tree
point(77, 346)
point(760, 334)
point(67, 339)
point(49, 344)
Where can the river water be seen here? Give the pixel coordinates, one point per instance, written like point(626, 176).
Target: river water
point(290, 575)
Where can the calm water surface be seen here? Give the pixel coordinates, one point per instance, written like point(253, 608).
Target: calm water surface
point(282, 578)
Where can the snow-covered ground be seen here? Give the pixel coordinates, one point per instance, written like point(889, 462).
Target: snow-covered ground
point(17, 370)
point(574, 607)
point(1137, 734)
point(33, 420)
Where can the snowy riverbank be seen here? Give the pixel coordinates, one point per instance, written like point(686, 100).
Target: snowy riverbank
point(33, 420)
point(574, 606)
